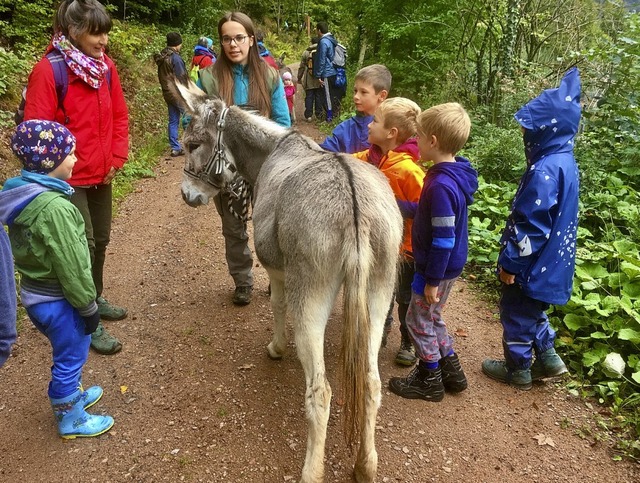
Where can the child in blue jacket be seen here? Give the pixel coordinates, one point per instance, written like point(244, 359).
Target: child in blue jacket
point(537, 259)
point(371, 87)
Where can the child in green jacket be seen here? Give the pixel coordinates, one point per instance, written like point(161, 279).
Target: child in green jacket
point(50, 249)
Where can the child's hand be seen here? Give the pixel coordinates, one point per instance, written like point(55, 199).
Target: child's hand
point(505, 277)
point(431, 294)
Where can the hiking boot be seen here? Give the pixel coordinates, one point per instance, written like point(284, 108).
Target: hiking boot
point(453, 377)
point(177, 152)
point(242, 295)
point(73, 421)
point(419, 384)
point(103, 342)
point(548, 364)
point(406, 355)
point(498, 370)
point(108, 311)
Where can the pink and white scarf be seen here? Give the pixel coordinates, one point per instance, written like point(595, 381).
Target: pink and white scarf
point(92, 71)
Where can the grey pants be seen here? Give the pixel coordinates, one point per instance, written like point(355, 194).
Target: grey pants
point(426, 327)
point(236, 241)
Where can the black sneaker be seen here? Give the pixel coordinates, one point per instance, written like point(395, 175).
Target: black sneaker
point(406, 355)
point(419, 384)
point(242, 295)
point(453, 377)
point(177, 152)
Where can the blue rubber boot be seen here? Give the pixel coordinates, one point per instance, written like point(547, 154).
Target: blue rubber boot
point(74, 421)
point(90, 396)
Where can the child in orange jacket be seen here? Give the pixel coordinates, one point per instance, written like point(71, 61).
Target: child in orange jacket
point(394, 150)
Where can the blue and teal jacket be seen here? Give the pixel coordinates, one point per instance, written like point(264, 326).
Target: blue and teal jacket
point(350, 136)
point(279, 108)
point(539, 241)
point(440, 235)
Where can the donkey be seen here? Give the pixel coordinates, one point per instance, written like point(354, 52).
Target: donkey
point(322, 222)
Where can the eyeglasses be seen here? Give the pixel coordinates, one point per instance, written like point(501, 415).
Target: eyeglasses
point(238, 39)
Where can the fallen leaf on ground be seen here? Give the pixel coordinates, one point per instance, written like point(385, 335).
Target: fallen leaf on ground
point(543, 439)
point(123, 389)
point(247, 367)
point(461, 333)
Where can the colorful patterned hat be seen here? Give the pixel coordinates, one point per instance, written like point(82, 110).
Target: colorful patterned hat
point(42, 145)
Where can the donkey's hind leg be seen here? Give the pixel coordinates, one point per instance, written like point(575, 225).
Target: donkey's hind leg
point(278, 344)
point(310, 319)
point(367, 458)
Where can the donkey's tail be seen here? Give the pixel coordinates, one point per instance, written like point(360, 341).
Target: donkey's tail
point(355, 336)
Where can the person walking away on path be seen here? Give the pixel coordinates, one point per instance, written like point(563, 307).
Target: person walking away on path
point(325, 71)
point(95, 111)
point(240, 77)
point(290, 94)
point(313, 91)
point(203, 57)
point(171, 65)
point(371, 86)
point(394, 151)
point(48, 241)
point(439, 239)
point(8, 302)
point(537, 258)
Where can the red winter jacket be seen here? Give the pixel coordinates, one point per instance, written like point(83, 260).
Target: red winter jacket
point(98, 118)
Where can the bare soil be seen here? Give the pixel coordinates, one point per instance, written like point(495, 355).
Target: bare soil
point(195, 397)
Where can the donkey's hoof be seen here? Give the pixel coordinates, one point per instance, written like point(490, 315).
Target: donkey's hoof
point(273, 353)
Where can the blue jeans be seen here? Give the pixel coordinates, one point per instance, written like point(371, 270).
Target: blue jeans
point(525, 327)
point(174, 122)
point(64, 327)
point(313, 102)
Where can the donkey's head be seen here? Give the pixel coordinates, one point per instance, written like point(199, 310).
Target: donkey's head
point(208, 166)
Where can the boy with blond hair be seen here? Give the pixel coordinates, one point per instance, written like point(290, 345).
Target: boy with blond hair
point(440, 245)
point(371, 87)
point(394, 150)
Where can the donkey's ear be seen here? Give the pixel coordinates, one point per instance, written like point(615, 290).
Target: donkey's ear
point(187, 94)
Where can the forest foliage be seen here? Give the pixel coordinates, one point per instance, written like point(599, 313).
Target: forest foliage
point(490, 55)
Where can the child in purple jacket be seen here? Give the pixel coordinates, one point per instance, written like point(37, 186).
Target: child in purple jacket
point(440, 246)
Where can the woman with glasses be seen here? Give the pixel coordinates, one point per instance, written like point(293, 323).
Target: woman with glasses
point(241, 77)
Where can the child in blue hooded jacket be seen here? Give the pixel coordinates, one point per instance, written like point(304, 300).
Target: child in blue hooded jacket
point(537, 258)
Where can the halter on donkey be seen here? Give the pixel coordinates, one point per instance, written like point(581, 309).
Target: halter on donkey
point(322, 222)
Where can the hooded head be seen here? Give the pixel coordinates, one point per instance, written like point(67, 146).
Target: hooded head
point(287, 76)
point(42, 145)
point(551, 120)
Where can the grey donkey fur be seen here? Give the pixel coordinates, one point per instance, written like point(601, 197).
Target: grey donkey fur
point(322, 222)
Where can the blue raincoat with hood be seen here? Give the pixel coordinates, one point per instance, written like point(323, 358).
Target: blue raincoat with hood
point(539, 241)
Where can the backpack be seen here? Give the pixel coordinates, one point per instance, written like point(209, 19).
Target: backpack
point(312, 54)
point(339, 55)
point(61, 78)
point(194, 73)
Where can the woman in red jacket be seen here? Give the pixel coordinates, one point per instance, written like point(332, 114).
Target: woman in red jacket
point(94, 110)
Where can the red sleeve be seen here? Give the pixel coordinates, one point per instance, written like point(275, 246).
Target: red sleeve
point(42, 98)
point(120, 142)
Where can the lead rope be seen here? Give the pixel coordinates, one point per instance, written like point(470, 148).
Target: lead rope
point(240, 190)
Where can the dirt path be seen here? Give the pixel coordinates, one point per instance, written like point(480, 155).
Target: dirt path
point(195, 397)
